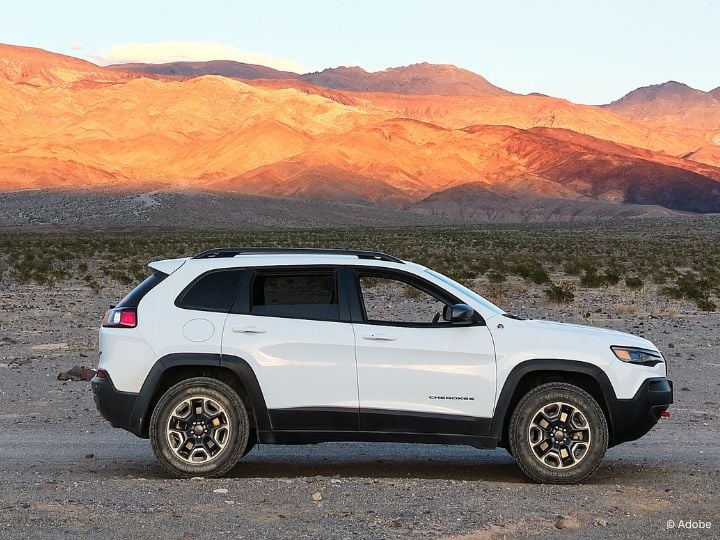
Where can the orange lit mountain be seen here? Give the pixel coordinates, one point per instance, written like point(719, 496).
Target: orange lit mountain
point(27, 65)
point(671, 103)
point(66, 123)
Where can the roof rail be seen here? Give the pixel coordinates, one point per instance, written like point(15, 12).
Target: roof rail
point(217, 253)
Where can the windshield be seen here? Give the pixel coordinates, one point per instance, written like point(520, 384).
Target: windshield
point(466, 292)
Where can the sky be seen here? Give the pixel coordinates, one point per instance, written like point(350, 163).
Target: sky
point(585, 51)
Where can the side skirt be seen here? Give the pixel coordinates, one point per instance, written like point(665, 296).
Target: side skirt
point(314, 437)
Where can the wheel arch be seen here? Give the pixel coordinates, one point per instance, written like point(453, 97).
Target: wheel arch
point(532, 373)
point(176, 367)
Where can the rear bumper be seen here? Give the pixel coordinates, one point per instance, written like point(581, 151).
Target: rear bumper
point(633, 418)
point(115, 406)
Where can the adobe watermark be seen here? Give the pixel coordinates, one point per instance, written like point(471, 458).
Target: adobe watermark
point(688, 524)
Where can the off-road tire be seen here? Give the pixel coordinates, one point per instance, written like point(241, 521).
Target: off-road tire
point(236, 417)
point(522, 422)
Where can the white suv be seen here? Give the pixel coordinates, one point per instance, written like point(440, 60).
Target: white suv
point(237, 346)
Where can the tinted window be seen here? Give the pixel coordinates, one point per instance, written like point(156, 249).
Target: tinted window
point(302, 295)
point(132, 300)
point(214, 291)
point(392, 300)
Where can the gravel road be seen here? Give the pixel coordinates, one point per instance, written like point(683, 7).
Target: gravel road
point(66, 473)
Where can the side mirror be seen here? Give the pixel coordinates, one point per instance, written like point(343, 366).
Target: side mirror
point(459, 314)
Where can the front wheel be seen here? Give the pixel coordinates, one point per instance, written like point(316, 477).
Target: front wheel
point(199, 427)
point(558, 434)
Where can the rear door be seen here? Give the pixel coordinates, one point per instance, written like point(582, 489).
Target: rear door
point(417, 373)
point(292, 326)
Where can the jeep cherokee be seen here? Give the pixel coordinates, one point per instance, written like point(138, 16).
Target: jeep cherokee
point(213, 354)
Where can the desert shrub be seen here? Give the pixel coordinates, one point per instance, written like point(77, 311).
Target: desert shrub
point(495, 277)
point(706, 304)
point(531, 271)
point(573, 267)
point(590, 278)
point(690, 286)
point(634, 282)
point(560, 293)
point(611, 277)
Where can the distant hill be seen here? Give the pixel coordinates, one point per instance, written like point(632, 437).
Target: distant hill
point(225, 68)
point(426, 79)
point(671, 103)
point(431, 79)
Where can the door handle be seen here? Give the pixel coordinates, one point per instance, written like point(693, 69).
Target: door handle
point(379, 337)
point(248, 330)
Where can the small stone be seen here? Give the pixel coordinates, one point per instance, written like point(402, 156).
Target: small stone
point(567, 522)
point(89, 456)
point(685, 389)
point(220, 491)
point(600, 522)
point(317, 496)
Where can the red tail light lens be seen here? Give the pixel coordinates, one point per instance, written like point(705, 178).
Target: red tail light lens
point(120, 318)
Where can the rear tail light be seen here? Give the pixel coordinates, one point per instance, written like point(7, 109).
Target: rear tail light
point(101, 374)
point(120, 318)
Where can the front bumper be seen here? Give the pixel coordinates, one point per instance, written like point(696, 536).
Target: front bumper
point(633, 418)
point(115, 406)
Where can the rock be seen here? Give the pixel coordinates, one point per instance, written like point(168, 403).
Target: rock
point(221, 491)
point(317, 496)
point(600, 522)
point(20, 361)
point(89, 456)
point(76, 373)
point(566, 522)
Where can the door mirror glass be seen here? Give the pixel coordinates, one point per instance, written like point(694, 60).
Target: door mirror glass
point(459, 314)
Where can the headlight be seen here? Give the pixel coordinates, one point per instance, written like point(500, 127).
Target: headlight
point(634, 355)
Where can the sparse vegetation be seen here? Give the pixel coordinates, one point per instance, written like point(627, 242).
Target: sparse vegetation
point(560, 293)
point(681, 256)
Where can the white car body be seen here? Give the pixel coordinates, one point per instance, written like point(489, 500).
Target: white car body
point(448, 373)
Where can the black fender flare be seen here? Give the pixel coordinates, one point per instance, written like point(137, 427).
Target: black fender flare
point(538, 366)
point(240, 368)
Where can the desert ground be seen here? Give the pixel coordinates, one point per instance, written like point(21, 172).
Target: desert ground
point(67, 473)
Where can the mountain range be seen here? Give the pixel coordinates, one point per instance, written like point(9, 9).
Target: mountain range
point(425, 138)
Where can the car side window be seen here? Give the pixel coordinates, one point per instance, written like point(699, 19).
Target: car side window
point(214, 291)
point(393, 300)
point(299, 295)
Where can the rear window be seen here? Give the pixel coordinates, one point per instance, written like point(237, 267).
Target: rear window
point(302, 296)
point(132, 300)
point(214, 291)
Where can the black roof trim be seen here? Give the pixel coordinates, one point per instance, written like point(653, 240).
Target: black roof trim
point(217, 253)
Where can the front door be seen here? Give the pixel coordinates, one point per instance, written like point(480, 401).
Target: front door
point(416, 372)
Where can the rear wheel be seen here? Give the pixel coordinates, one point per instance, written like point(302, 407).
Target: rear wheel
point(558, 434)
point(199, 427)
